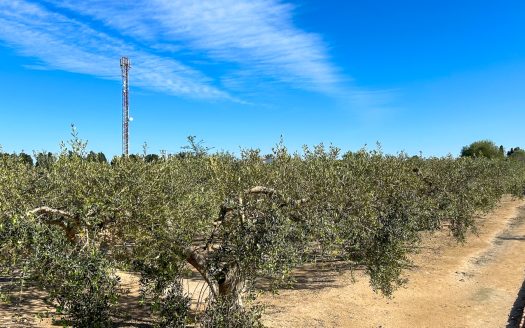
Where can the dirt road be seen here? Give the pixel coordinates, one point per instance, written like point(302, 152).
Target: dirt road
point(470, 285)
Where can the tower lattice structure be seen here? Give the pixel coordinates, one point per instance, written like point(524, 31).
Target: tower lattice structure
point(125, 65)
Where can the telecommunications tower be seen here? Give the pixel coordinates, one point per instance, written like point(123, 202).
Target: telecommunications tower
point(125, 65)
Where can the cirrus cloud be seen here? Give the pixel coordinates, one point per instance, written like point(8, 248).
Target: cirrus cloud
point(179, 47)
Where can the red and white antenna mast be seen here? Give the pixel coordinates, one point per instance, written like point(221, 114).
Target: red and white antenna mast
point(125, 65)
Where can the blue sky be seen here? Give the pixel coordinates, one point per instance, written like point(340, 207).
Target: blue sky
point(415, 76)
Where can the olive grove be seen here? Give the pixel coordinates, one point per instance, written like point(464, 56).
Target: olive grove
point(69, 225)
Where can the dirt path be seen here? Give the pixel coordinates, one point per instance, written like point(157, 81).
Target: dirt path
point(471, 285)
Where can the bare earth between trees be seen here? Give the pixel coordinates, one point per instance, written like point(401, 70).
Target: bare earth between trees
point(451, 285)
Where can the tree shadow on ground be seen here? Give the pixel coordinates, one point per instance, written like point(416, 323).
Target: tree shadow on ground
point(516, 313)
point(131, 313)
point(27, 308)
point(315, 276)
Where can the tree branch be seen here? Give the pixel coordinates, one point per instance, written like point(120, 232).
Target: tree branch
point(261, 190)
point(225, 210)
point(272, 192)
point(196, 259)
point(50, 211)
point(61, 221)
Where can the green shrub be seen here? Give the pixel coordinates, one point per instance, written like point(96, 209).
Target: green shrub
point(225, 313)
point(80, 282)
point(483, 148)
point(174, 308)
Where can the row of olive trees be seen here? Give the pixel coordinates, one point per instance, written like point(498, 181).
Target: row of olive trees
point(234, 220)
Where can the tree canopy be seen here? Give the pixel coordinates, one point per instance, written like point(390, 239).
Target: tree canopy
point(516, 154)
point(483, 148)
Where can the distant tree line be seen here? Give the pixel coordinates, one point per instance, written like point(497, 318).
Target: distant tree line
point(481, 148)
point(23, 157)
point(47, 159)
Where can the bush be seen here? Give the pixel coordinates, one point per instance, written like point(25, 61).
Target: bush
point(225, 313)
point(161, 287)
point(174, 308)
point(80, 282)
point(516, 154)
point(483, 148)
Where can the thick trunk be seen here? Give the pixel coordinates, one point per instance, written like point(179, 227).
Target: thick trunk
point(232, 285)
point(229, 285)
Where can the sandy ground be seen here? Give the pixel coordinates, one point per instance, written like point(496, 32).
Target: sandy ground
point(30, 310)
point(470, 285)
point(451, 285)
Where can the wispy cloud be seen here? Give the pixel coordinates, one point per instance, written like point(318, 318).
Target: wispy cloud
point(61, 42)
point(249, 39)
